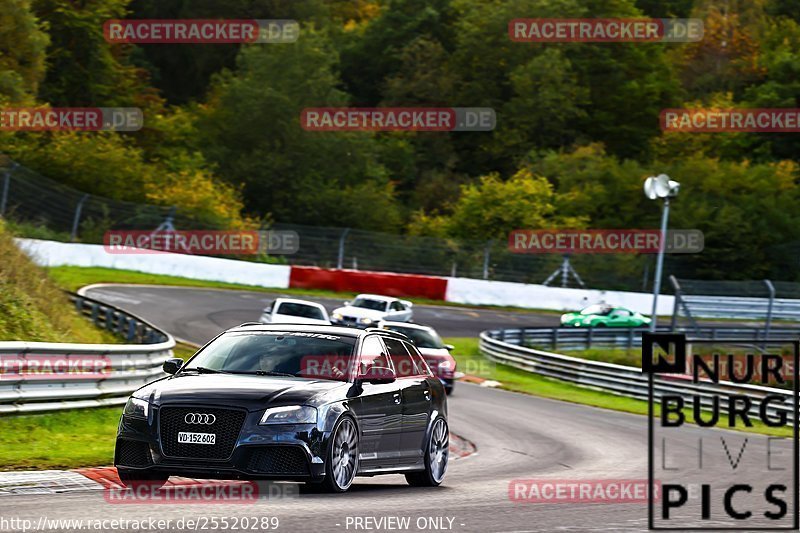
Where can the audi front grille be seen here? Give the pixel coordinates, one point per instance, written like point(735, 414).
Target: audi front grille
point(224, 423)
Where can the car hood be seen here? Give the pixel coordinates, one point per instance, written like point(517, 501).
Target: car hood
point(360, 312)
point(250, 392)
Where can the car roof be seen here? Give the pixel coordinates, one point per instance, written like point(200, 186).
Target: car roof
point(377, 297)
point(296, 301)
point(406, 325)
point(321, 329)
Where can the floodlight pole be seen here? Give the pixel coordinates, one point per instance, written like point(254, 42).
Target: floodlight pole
point(659, 263)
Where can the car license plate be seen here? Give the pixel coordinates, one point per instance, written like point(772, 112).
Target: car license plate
point(185, 437)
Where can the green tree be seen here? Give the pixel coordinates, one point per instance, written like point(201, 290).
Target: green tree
point(251, 131)
point(22, 52)
point(492, 207)
point(83, 69)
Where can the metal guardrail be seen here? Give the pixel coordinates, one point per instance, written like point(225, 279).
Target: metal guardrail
point(127, 366)
point(747, 300)
point(618, 379)
point(585, 338)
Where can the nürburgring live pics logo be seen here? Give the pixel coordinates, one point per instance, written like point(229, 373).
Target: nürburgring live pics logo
point(710, 478)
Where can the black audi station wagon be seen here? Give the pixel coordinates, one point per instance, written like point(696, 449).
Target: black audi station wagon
point(319, 404)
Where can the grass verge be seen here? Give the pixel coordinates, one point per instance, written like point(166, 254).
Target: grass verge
point(469, 360)
point(32, 307)
point(63, 439)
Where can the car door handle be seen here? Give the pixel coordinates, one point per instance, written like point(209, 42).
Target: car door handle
point(396, 397)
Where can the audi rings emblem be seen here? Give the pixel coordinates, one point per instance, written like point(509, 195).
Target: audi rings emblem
point(205, 419)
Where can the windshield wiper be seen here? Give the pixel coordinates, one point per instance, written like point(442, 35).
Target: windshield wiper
point(268, 373)
point(204, 370)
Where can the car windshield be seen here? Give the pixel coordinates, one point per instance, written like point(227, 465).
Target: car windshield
point(300, 310)
point(296, 353)
point(598, 309)
point(420, 337)
point(368, 303)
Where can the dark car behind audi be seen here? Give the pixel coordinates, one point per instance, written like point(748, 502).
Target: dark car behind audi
point(319, 404)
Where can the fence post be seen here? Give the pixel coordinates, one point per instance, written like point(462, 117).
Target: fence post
point(77, 218)
point(676, 306)
point(340, 261)
point(771, 289)
point(555, 339)
point(6, 185)
point(487, 252)
point(589, 338)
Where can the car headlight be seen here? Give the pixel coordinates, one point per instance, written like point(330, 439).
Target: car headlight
point(336, 316)
point(136, 407)
point(291, 414)
point(365, 320)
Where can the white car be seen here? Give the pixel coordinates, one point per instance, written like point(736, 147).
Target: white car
point(366, 310)
point(290, 311)
point(432, 348)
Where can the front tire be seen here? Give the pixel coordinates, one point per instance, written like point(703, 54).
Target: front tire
point(437, 454)
point(342, 464)
point(134, 479)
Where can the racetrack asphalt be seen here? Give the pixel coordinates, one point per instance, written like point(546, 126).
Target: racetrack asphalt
point(517, 436)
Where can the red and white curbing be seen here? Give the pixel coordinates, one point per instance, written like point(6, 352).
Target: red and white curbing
point(105, 478)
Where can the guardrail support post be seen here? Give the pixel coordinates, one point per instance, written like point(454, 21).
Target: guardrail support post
point(555, 338)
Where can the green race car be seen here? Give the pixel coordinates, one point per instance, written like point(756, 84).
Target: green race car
point(601, 316)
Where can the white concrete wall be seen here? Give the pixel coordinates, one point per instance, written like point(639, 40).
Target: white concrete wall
point(51, 253)
point(482, 292)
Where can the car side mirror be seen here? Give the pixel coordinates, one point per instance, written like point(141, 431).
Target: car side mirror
point(449, 347)
point(171, 366)
point(378, 375)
